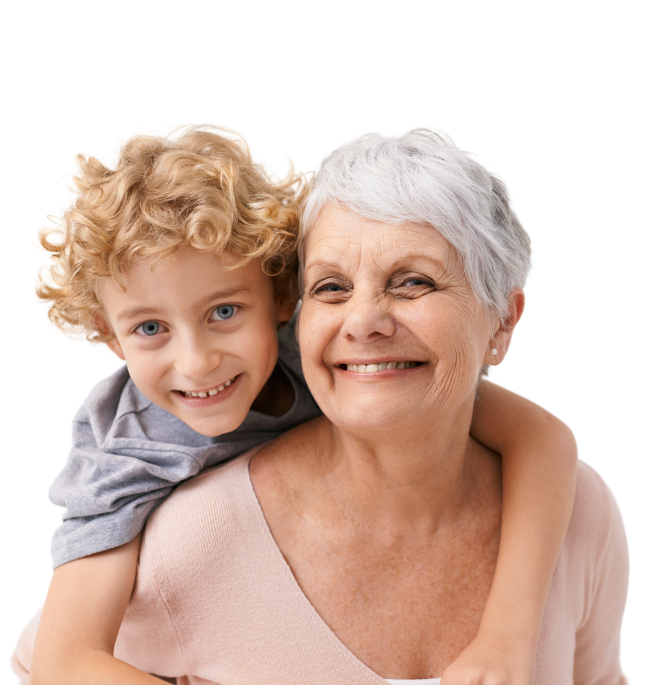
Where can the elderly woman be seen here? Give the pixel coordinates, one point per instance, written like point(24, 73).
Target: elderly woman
point(361, 547)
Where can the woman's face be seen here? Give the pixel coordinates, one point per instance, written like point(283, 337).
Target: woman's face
point(393, 300)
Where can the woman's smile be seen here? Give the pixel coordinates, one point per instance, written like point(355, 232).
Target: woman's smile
point(383, 369)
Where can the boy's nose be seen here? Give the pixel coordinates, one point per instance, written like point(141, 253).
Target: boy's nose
point(195, 358)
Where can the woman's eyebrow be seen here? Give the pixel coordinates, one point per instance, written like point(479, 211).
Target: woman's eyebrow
point(327, 265)
point(436, 261)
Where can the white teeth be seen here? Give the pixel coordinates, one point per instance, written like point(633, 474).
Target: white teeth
point(207, 393)
point(374, 368)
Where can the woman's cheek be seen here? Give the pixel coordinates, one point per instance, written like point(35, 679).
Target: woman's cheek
point(460, 367)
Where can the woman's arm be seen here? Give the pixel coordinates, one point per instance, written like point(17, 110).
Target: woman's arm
point(596, 648)
point(538, 470)
point(81, 618)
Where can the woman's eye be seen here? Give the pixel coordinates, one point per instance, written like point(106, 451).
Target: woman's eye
point(330, 287)
point(414, 282)
point(224, 311)
point(148, 328)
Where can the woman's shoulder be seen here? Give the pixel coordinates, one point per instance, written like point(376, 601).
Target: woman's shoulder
point(588, 592)
point(594, 506)
point(205, 513)
point(287, 463)
point(224, 480)
point(595, 537)
point(195, 552)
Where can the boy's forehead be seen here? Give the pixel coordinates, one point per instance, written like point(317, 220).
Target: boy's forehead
point(187, 278)
point(191, 266)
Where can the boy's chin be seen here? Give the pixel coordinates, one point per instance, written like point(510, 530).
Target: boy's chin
point(212, 428)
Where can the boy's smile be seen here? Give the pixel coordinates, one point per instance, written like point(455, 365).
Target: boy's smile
point(199, 338)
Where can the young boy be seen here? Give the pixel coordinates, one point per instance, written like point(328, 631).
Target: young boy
point(182, 260)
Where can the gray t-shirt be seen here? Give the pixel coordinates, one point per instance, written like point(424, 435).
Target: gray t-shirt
point(128, 454)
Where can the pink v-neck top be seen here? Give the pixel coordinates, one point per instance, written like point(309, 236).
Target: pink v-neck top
point(215, 601)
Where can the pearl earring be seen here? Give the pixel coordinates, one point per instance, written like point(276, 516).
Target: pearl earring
point(493, 352)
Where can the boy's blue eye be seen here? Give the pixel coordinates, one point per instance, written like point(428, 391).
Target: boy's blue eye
point(225, 311)
point(150, 328)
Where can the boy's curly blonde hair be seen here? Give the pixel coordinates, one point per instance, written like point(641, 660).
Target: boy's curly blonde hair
point(201, 189)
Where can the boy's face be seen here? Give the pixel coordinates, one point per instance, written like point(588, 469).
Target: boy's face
point(199, 340)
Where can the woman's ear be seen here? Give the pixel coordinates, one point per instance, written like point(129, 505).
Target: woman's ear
point(499, 343)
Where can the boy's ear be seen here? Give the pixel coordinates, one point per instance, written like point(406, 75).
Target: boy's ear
point(116, 347)
point(105, 329)
point(285, 307)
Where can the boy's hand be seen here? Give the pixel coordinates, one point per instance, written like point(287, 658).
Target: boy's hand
point(488, 661)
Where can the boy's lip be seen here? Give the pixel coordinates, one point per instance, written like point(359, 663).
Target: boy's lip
point(219, 387)
point(215, 398)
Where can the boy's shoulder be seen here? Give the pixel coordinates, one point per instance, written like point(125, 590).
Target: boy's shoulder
point(117, 411)
point(101, 406)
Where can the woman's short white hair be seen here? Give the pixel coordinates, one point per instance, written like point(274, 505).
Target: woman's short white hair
point(425, 178)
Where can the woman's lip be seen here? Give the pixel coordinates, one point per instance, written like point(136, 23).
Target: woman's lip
point(380, 372)
point(368, 362)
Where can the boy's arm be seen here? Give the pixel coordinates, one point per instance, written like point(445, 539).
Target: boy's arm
point(81, 618)
point(538, 471)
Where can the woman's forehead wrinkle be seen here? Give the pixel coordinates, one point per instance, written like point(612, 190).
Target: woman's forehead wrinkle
point(405, 243)
point(350, 241)
point(332, 248)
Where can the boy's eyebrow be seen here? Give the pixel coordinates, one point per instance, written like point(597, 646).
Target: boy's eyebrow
point(136, 312)
point(221, 295)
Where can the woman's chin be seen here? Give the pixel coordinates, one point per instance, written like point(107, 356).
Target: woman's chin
point(363, 417)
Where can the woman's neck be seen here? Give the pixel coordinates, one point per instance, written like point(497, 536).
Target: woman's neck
point(414, 476)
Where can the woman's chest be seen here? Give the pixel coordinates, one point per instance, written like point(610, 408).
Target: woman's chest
point(405, 609)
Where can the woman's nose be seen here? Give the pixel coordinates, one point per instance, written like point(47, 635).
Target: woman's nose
point(195, 357)
point(367, 318)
